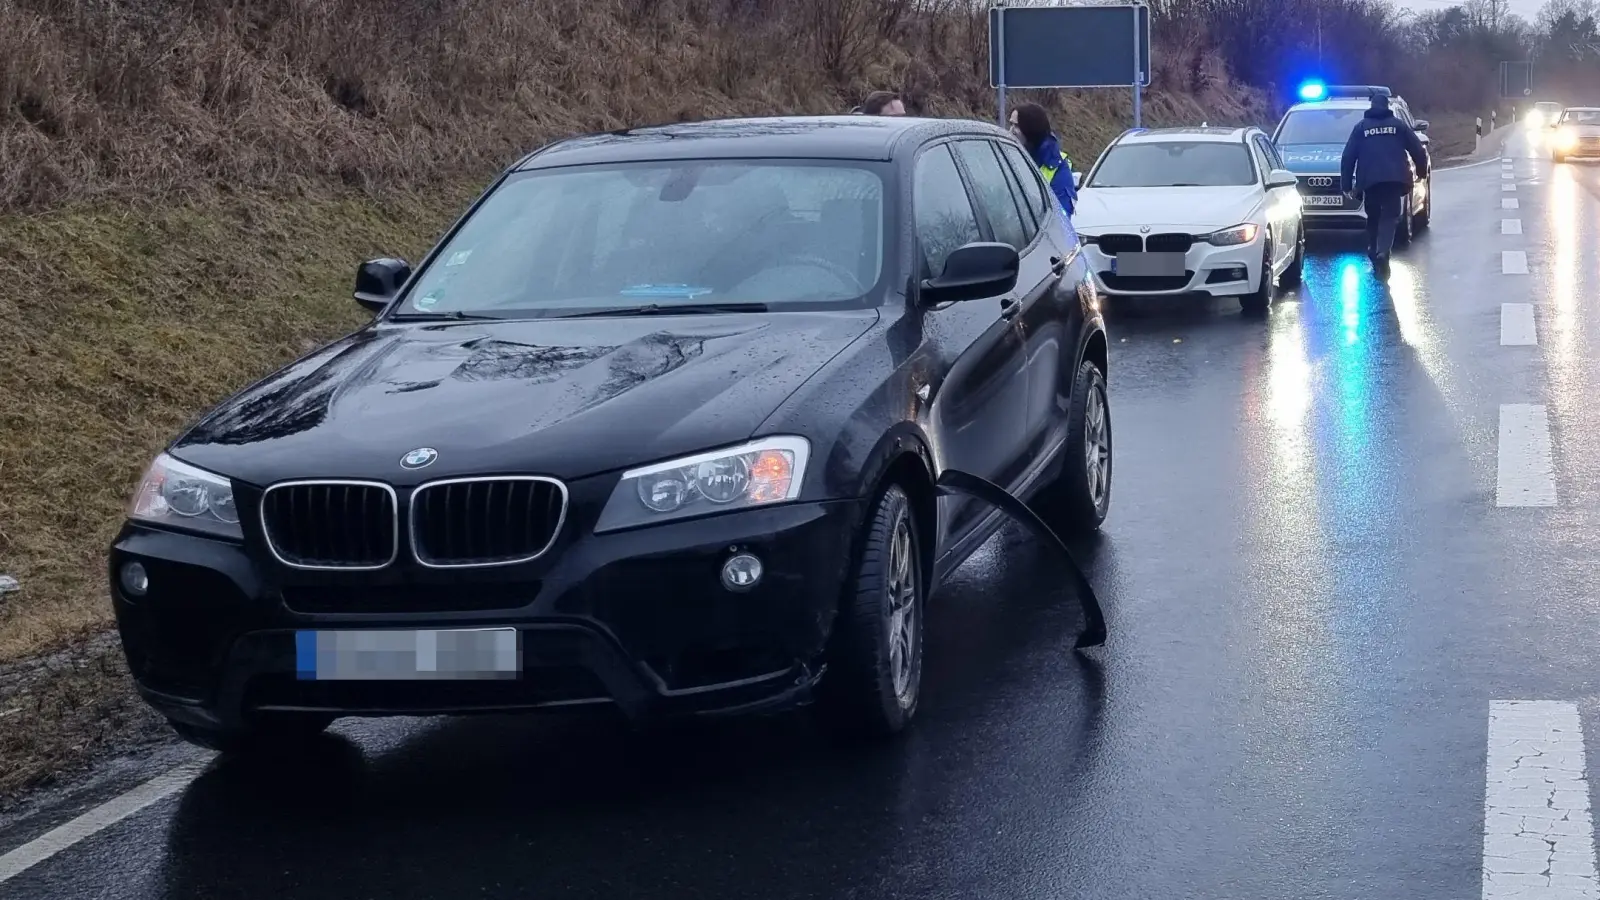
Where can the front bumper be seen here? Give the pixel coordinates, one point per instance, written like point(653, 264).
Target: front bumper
point(1216, 271)
point(638, 619)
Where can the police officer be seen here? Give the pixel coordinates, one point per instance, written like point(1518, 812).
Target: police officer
point(1375, 164)
point(1031, 125)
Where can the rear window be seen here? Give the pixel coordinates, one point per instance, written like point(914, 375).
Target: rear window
point(1318, 126)
point(1175, 164)
point(787, 234)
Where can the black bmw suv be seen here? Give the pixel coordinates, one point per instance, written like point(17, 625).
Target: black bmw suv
point(657, 424)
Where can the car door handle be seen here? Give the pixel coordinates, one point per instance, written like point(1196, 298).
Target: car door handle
point(1009, 307)
point(1058, 265)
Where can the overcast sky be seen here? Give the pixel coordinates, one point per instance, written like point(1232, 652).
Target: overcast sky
point(1527, 9)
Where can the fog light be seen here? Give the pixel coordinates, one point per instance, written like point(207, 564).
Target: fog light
point(134, 579)
point(741, 572)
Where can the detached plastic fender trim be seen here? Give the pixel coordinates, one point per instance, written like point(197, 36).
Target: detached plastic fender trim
point(953, 481)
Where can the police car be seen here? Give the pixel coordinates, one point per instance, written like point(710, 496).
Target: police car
point(1310, 139)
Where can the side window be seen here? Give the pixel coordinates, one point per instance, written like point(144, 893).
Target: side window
point(944, 216)
point(1274, 161)
point(1030, 224)
point(1033, 186)
point(994, 193)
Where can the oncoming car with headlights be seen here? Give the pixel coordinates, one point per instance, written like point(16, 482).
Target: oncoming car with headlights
point(1207, 211)
point(657, 425)
point(1577, 134)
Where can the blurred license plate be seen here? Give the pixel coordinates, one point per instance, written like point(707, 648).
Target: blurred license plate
point(1136, 264)
point(477, 653)
point(1334, 200)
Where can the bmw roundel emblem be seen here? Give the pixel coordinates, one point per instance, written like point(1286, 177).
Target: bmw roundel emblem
point(420, 457)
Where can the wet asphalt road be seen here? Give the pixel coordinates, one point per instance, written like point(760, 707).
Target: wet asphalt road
point(1312, 600)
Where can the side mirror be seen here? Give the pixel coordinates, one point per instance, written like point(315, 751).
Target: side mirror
point(379, 280)
point(1422, 125)
point(1281, 178)
point(974, 272)
point(1077, 179)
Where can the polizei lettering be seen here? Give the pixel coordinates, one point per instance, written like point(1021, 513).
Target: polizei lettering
point(1386, 129)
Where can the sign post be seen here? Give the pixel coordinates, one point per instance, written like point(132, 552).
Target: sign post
point(1516, 79)
point(1069, 47)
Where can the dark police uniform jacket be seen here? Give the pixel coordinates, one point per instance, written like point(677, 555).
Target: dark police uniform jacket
point(1377, 152)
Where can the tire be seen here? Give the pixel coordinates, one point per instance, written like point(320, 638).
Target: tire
point(1257, 301)
point(1557, 156)
point(273, 733)
point(1074, 504)
point(1421, 220)
point(1402, 228)
point(873, 680)
point(1295, 274)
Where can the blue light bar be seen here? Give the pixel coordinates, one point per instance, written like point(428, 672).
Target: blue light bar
point(1313, 90)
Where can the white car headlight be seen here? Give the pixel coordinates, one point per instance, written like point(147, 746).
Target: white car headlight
point(1228, 237)
point(178, 495)
point(762, 472)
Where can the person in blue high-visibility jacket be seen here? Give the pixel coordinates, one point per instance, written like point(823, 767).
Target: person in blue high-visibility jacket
point(1031, 125)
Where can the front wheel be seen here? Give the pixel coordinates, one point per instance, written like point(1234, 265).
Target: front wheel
point(1293, 275)
point(1402, 228)
point(1257, 301)
point(1420, 221)
point(874, 658)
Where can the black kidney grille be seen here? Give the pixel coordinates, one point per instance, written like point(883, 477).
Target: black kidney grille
point(1169, 243)
point(331, 525)
point(486, 521)
point(1121, 243)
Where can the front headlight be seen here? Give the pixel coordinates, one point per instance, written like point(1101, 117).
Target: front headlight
point(762, 472)
point(1566, 138)
point(178, 495)
point(1228, 237)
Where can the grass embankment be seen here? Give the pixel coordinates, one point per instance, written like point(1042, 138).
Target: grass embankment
point(187, 187)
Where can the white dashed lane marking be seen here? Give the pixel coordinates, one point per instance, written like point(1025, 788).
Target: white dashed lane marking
point(1538, 839)
point(1510, 226)
point(96, 820)
point(1516, 325)
point(1507, 175)
point(1513, 262)
point(1508, 203)
point(1525, 475)
point(1508, 187)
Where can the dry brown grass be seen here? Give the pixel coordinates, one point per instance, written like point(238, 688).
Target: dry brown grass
point(187, 185)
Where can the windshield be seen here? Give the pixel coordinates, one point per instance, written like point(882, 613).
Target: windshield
point(1547, 106)
point(685, 233)
point(1175, 164)
point(1318, 126)
point(1581, 117)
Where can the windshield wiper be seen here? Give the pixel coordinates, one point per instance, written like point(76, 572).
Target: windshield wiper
point(668, 309)
point(452, 316)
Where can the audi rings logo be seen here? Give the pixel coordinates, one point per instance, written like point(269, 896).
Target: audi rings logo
point(1320, 181)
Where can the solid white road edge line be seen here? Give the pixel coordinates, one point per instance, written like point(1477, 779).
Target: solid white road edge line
point(1513, 262)
point(98, 819)
point(1510, 226)
point(1525, 475)
point(1516, 325)
point(1508, 203)
point(1538, 838)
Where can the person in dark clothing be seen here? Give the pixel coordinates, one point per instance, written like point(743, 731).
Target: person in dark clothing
point(1382, 160)
point(883, 103)
point(1031, 125)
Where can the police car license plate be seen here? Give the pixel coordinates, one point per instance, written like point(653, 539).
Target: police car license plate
point(1147, 264)
point(1333, 200)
